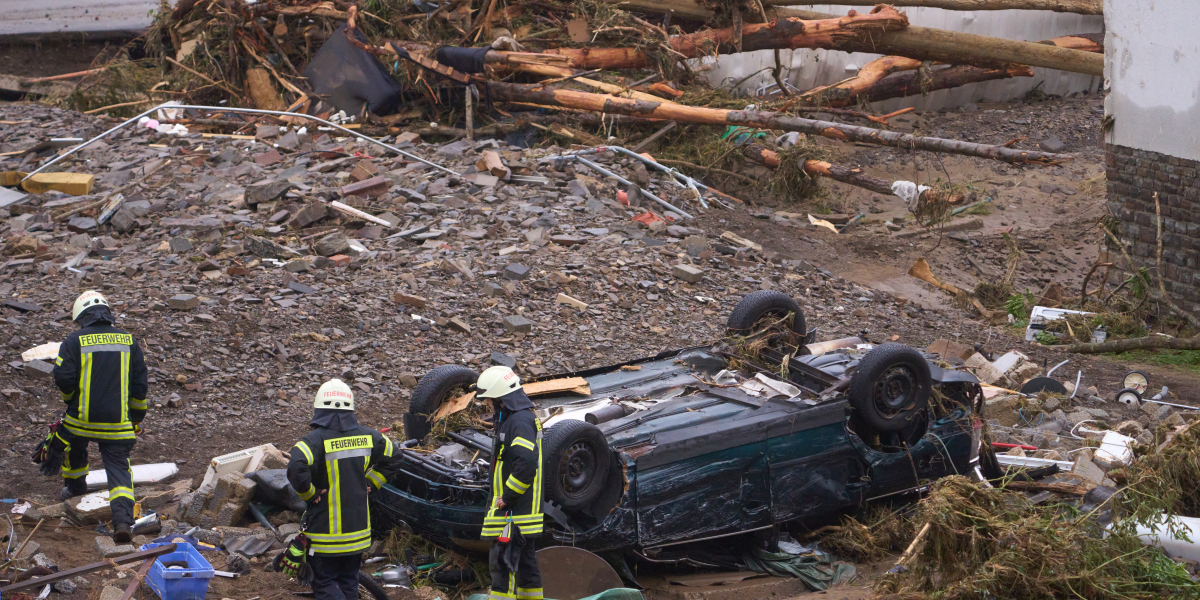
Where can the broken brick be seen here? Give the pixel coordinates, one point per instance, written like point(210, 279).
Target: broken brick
point(369, 188)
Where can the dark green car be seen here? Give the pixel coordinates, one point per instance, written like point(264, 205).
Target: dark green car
point(757, 430)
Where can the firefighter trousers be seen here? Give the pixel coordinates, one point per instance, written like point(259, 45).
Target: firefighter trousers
point(525, 583)
point(335, 576)
point(115, 455)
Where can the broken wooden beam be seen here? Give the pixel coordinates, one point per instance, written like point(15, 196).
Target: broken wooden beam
point(1081, 7)
point(762, 119)
point(84, 570)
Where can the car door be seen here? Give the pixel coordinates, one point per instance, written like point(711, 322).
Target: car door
point(813, 466)
point(703, 496)
point(913, 459)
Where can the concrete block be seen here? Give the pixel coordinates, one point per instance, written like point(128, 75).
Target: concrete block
point(517, 324)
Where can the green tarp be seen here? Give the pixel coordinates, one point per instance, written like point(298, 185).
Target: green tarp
point(818, 570)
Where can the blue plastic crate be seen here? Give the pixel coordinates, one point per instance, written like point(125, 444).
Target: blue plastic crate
point(190, 583)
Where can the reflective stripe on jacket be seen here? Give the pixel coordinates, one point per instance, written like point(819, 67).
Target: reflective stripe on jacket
point(101, 374)
point(343, 463)
point(517, 476)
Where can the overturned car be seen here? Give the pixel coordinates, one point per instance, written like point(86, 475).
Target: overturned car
point(760, 429)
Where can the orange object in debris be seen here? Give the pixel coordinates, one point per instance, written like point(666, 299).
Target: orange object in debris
point(622, 197)
point(647, 218)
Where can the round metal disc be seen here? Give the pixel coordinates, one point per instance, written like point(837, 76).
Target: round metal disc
point(1129, 396)
point(1043, 384)
point(1137, 380)
point(573, 573)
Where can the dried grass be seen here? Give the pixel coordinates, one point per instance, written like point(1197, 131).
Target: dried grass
point(991, 543)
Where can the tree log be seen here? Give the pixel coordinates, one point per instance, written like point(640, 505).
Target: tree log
point(1144, 343)
point(1082, 7)
point(909, 84)
point(846, 92)
point(763, 119)
point(853, 30)
point(925, 43)
point(922, 43)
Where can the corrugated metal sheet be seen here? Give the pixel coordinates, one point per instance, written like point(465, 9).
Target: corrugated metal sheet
point(810, 68)
point(28, 17)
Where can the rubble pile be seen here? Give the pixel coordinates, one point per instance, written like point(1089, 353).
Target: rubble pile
point(246, 289)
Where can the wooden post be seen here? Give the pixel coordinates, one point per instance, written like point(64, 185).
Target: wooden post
point(470, 113)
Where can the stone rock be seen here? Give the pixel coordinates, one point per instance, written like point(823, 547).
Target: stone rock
point(1129, 428)
point(111, 593)
point(39, 369)
point(688, 273)
point(265, 192)
point(460, 325)
point(264, 248)
point(504, 360)
point(409, 299)
point(180, 245)
point(517, 324)
point(311, 213)
point(1155, 411)
point(516, 272)
point(1052, 144)
point(183, 302)
point(107, 548)
point(332, 244)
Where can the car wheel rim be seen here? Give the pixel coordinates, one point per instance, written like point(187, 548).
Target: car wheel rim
point(895, 390)
point(577, 468)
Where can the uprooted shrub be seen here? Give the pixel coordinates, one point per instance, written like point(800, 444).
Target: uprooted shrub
point(992, 543)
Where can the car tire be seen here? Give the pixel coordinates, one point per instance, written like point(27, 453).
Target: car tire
point(434, 389)
point(369, 588)
point(763, 303)
point(575, 464)
point(890, 386)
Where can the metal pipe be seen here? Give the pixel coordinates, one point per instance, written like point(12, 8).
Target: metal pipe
point(466, 441)
point(261, 518)
point(256, 111)
point(624, 181)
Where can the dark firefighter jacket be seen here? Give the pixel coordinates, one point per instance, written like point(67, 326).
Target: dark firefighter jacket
point(102, 376)
point(339, 456)
point(517, 474)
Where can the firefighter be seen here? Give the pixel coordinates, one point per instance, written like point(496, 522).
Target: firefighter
point(514, 517)
point(333, 468)
point(102, 375)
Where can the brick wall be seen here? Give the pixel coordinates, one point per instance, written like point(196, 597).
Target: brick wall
point(1133, 178)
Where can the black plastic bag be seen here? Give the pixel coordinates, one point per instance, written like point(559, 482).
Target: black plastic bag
point(351, 79)
point(273, 488)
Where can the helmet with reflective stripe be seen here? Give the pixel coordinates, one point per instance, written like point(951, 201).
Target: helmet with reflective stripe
point(496, 382)
point(87, 300)
point(334, 395)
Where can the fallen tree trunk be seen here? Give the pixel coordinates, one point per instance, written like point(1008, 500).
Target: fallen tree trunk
point(1081, 7)
point(873, 73)
point(922, 43)
point(911, 84)
point(763, 119)
point(1145, 343)
point(852, 30)
point(925, 43)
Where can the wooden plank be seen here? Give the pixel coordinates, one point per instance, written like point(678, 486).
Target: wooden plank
point(137, 580)
point(566, 384)
point(99, 566)
point(654, 136)
point(577, 385)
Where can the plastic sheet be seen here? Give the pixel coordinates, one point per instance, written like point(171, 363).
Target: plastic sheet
point(818, 570)
point(351, 79)
point(273, 488)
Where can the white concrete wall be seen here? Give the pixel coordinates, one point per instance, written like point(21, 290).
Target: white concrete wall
point(30, 17)
point(1152, 64)
point(810, 68)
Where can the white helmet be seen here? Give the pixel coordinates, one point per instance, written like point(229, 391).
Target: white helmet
point(334, 395)
point(87, 300)
point(496, 382)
